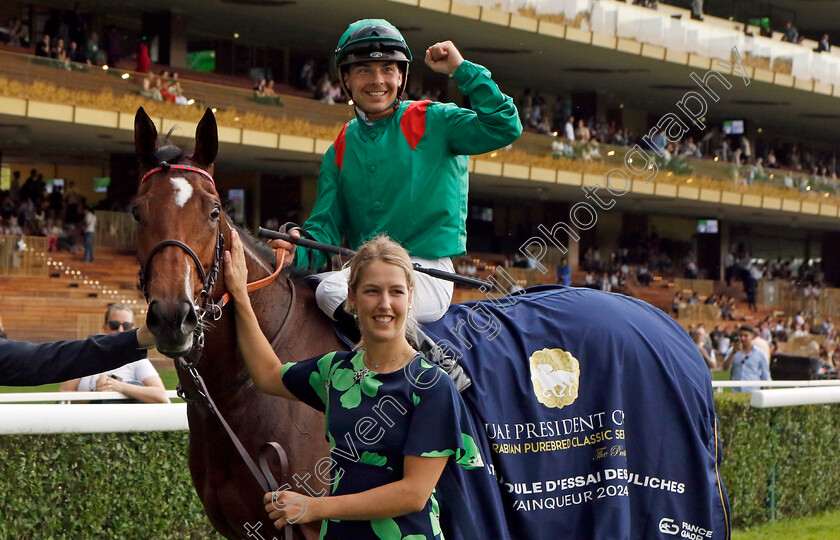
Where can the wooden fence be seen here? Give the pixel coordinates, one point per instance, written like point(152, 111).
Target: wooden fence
point(23, 256)
point(115, 230)
point(703, 287)
point(792, 300)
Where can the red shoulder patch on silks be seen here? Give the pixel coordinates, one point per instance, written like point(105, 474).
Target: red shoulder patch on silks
point(413, 122)
point(338, 145)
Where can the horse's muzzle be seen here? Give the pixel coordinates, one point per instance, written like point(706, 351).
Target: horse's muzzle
point(172, 324)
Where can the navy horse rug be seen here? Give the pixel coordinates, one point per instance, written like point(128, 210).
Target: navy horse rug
point(595, 419)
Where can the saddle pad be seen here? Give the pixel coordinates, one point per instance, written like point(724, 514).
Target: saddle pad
point(596, 417)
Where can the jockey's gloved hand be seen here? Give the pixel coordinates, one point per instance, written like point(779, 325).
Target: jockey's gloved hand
point(448, 364)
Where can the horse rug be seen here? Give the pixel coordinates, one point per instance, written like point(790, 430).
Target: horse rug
point(595, 418)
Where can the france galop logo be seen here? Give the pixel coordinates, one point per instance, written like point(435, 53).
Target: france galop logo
point(555, 374)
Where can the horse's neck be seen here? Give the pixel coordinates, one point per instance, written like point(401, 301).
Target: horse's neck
point(288, 315)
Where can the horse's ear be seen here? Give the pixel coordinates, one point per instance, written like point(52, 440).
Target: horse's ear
point(145, 137)
point(206, 140)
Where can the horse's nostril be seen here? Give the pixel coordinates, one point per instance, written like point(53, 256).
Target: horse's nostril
point(188, 318)
point(153, 317)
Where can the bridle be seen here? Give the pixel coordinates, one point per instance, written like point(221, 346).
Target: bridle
point(263, 474)
point(208, 279)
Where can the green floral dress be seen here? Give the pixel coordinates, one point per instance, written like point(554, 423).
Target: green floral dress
point(373, 420)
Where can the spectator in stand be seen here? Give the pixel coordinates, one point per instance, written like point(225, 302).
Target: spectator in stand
point(620, 139)
point(564, 273)
point(800, 331)
point(143, 60)
point(73, 203)
point(150, 89)
point(94, 50)
point(59, 51)
point(259, 88)
point(90, 231)
point(746, 362)
point(764, 332)
point(791, 34)
point(642, 276)
point(824, 45)
point(697, 10)
point(582, 132)
point(3, 334)
point(175, 90)
point(138, 380)
point(43, 49)
point(698, 336)
point(76, 54)
point(569, 128)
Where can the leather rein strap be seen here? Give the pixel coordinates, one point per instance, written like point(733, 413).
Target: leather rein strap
point(260, 283)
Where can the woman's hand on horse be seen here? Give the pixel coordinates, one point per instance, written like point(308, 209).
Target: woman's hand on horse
point(236, 273)
point(443, 57)
point(286, 507)
point(288, 246)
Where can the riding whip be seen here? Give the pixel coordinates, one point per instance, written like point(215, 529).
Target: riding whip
point(336, 250)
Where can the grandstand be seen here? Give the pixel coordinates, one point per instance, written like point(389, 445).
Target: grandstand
point(737, 222)
point(611, 64)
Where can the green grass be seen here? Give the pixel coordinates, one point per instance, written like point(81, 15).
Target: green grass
point(821, 527)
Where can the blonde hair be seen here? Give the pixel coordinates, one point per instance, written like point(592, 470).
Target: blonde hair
point(382, 248)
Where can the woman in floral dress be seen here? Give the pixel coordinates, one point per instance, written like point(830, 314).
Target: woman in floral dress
point(394, 421)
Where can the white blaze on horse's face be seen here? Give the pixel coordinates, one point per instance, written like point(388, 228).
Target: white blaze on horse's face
point(183, 190)
point(188, 288)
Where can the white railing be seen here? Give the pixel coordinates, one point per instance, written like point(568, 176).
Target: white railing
point(813, 393)
point(100, 418)
point(19, 418)
point(30, 397)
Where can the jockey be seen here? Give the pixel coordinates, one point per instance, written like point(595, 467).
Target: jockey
point(400, 167)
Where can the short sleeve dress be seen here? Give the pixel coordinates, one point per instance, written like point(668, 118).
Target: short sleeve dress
point(375, 419)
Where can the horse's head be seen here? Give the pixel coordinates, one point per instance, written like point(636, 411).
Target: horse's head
point(178, 214)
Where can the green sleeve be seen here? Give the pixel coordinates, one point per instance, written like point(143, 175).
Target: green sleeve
point(492, 123)
point(325, 222)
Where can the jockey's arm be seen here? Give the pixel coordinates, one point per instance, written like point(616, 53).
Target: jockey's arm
point(265, 368)
point(404, 496)
point(326, 221)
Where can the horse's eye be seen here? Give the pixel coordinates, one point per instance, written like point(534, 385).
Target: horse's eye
point(215, 213)
point(135, 213)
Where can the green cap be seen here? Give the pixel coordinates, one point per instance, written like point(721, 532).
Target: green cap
point(371, 40)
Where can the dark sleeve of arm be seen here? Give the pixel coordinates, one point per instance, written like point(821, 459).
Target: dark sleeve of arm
point(325, 221)
point(30, 364)
point(493, 121)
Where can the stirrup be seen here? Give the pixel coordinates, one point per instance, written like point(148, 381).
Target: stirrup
point(448, 364)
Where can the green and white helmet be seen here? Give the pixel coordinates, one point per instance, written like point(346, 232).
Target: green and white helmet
point(370, 40)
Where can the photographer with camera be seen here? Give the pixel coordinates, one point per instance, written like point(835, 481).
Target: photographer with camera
point(745, 361)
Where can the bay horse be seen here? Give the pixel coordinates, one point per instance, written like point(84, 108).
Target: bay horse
point(181, 229)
